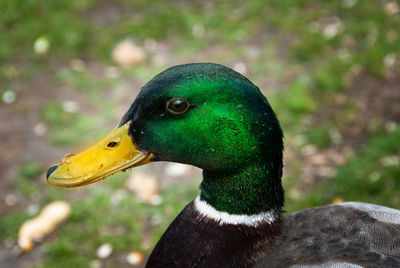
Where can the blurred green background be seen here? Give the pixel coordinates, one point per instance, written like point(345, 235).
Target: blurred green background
point(330, 69)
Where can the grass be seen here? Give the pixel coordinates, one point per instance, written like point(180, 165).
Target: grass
point(25, 182)
point(371, 176)
point(323, 45)
point(319, 137)
point(68, 127)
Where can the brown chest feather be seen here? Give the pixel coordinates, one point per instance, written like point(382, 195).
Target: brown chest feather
point(194, 241)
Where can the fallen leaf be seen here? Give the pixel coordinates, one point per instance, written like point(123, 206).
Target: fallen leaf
point(43, 224)
point(145, 186)
point(127, 54)
point(135, 257)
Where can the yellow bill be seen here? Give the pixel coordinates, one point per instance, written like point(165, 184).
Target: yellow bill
point(114, 153)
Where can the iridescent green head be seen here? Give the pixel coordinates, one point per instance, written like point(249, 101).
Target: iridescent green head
point(212, 117)
point(225, 122)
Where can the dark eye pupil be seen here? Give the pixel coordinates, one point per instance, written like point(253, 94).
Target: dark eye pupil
point(177, 106)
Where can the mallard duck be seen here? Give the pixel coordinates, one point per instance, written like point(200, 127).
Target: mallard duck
point(212, 117)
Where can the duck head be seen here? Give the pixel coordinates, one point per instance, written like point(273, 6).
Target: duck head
point(203, 114)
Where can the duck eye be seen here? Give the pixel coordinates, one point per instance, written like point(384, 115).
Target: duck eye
point(177, 106)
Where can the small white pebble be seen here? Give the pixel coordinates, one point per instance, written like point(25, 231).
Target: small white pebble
point(134, 258)
point(240, 67)
point(40, 129)
point(70, 106)
point(104, 251)
point(9, 96)
point(41, 45)
point(10, 200)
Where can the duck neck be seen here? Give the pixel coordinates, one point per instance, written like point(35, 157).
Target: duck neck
point(255, 189)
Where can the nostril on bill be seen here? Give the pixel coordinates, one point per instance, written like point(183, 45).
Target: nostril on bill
point(112, 144)
point(51, 170)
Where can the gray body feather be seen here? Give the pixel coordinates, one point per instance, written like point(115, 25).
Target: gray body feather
point(349, 235)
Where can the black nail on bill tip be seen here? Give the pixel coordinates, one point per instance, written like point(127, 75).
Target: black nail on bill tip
point(51, 170)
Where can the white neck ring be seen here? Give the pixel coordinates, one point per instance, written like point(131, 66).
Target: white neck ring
point(207, 212)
